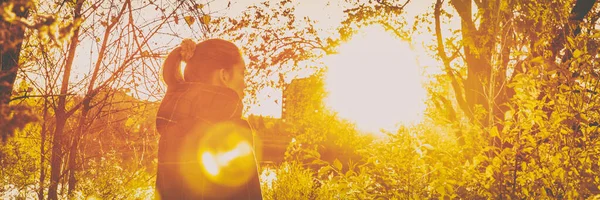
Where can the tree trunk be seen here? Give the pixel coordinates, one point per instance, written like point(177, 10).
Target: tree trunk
point(477, 52)
point(61, 114)
point(13, 34)
point(43, 150)
point(56, 160)
point(90, 93)
point(11, 41)
point(75, 147)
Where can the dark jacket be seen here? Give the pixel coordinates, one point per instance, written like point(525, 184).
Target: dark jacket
point(187, 113)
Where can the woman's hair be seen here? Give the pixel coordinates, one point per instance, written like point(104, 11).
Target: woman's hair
point(206, 57)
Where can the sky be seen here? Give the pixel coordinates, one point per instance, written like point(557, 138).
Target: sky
point(269, 98)
point(325, 20)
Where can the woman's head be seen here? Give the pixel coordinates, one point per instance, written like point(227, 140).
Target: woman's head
point(213, 61)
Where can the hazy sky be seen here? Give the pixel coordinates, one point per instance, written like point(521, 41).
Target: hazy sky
point(328, 14)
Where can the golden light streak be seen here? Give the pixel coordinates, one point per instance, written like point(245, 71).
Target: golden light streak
point(214, 163)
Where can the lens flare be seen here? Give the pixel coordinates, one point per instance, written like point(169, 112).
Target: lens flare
point(220, 159)
point(242, 149)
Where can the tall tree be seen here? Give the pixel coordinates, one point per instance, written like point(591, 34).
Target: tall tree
point(486, 79)
point(61, 112)
point(11, 40)
point(15, 20)
point(488, 50)
point(123, 44)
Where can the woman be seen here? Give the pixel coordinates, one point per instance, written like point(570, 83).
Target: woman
point(205, 148)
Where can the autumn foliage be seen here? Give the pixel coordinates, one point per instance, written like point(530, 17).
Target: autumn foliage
point(513, 114)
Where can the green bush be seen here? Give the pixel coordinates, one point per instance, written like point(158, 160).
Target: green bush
point(287, 181)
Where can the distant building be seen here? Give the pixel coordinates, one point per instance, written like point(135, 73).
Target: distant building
point(302, 96)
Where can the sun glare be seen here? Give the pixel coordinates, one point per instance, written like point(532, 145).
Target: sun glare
point(375, 81)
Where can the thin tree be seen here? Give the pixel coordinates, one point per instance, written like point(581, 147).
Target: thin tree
point(61, 113)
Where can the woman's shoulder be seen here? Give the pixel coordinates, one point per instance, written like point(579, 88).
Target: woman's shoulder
point(207, 101)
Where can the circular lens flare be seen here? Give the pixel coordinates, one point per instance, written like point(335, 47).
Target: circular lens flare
point(224, 158)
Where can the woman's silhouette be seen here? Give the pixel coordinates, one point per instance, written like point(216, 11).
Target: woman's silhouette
point(205, 148)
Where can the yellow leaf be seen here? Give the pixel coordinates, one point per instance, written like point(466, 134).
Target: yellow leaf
point(441, 190)
point(145, 53)
point(538, 59)
point(337, 164)
point(497, 162)
point(558, 174)
point(508, 115)
point(428, 146)
point(489, 171)
point(205, 19)
point(577, 53)
point(129, 122)
point(114, 20)
point(494, 132)
point(199, 6)
point(189, 20)
point(571, 42)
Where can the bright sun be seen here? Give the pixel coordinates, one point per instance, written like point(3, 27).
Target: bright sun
point(375, 81)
